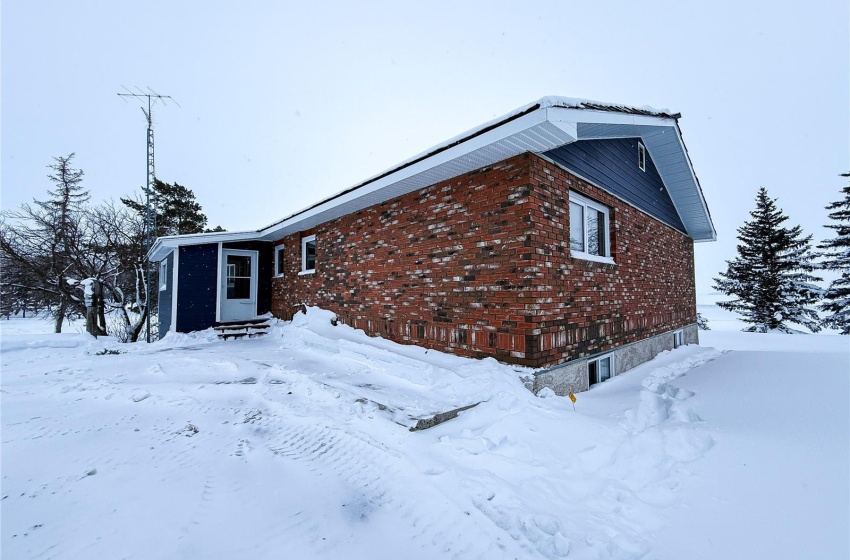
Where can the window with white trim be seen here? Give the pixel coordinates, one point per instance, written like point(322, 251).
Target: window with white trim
point(279, 269)
point(678, 339)
point(308, 254)
point(600, 369)
point(641, 156)
point(588, 229)
point(163, 274)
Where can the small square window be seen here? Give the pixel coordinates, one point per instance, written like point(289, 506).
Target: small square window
point(589, 229)
point(600, 369)
point(308, 254)
point(678, 339)
point(641, 156)
point(163, 275)
point(279, 268)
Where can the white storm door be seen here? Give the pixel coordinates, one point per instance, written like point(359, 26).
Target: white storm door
point(238, 285)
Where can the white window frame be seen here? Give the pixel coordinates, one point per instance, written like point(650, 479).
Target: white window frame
point(279, 258)
point(575, 198)
point(611, 371)
point(163, 275)
point(304, 241)
point(678, 338)
point(641, 156)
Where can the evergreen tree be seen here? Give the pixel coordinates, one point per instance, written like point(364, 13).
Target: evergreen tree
point(41, 244)
point(837, 254)
point(771, 277)
point(177, 210)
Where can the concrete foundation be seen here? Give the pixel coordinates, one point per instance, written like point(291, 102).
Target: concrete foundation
point(572, 375)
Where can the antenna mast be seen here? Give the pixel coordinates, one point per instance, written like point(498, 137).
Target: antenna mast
point(150, 215)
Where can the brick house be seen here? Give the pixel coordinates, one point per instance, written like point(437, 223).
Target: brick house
point(558, 237)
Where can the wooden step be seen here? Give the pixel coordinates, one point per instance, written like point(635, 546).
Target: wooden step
point(225, 336)
point(242, 329)
point(244, 322)
point(223, 328)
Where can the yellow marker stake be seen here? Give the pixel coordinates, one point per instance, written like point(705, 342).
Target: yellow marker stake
point(572, 398)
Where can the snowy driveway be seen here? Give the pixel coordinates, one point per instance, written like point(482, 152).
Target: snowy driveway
point(297, 446)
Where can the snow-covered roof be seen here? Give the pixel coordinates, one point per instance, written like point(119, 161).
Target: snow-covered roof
point(537, 127)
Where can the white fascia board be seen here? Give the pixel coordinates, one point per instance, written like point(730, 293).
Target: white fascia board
point(502, 132)
point(608, 117)
point(561, 118)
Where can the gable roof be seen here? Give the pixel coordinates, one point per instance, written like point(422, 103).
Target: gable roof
point(537, 127)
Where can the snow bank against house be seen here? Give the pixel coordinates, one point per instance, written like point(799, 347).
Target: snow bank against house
point(297, 445)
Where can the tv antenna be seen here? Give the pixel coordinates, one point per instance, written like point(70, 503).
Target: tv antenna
point(150, 216)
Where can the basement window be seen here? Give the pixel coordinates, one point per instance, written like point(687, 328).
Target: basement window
point(163, 275)
point(308, 254)
point(641, 156)
point(600, 369)
point(278, 260)
point(589, 230)
point(678, 339)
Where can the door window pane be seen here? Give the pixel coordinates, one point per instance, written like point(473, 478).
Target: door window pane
point(576, 227)
point(241, 289)
point(238, 277)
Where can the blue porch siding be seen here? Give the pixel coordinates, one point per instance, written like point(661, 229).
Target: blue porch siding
point(164, 305)
point(613, 165)
point(197, 282)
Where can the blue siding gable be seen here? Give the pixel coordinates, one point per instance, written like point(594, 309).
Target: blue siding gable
point(197, 283)
point(613, 166)
point(164, 301)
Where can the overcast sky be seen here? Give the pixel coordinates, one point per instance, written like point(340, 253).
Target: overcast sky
point(284, 103)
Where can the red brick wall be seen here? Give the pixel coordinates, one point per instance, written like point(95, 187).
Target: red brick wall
point(583, 307)
point(479, 265)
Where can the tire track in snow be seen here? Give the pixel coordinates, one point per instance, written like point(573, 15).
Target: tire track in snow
point(382, 483)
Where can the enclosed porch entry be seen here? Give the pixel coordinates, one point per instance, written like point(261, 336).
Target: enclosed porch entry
point(238, 285)
point(203, 285)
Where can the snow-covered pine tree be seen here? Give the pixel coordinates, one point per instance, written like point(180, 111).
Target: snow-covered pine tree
point(836, 299)
point(771, 277)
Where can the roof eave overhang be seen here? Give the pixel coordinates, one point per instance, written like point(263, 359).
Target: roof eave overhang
point(536, 128)
point(165, 245)
point(532, 131)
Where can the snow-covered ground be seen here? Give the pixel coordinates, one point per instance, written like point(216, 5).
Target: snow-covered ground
point(296, 445)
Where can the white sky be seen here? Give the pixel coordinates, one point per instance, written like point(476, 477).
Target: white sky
point(286, 103)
